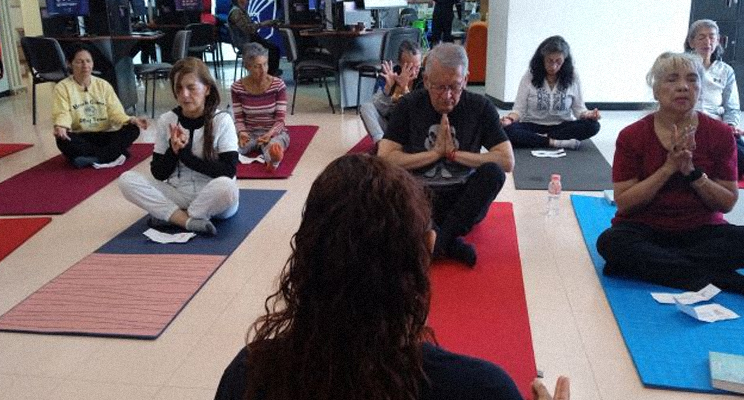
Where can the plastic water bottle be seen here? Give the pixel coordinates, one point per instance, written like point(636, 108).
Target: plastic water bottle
point(554, 195)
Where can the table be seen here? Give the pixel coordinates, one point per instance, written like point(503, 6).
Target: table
point(350, 48)
point(112, 57)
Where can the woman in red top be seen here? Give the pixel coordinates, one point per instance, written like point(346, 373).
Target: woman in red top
point(674, 176)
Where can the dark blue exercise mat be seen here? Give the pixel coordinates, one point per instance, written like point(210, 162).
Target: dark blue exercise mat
point(254, 205)
point(669, 348)
point(584, 169)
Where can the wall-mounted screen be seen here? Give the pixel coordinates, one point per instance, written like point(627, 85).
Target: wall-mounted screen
point(377, 4)
point(188, 5)
point(139, 8)
point(67, 7)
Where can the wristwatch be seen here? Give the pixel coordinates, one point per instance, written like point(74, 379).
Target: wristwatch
point(696, 174)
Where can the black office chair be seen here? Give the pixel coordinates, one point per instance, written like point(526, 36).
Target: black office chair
point(389, 51)
point(203, 40)
point(237, 45)
point(154, 71)
point(306, 68)
point(46, 60)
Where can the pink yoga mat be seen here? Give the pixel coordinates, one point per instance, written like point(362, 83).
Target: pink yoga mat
point(299, 138)
point(482, 312)
point(56, 186)
point(10, 148)
point(120, 295)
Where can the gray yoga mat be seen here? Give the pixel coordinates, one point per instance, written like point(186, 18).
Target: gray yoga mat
point(581, 170)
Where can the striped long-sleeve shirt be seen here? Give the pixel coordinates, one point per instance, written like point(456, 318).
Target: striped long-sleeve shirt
point(260, 112)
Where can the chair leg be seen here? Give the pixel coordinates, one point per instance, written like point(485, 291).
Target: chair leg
point(144, 78)
point(154, 87)
point(359, 90)
point(294, 96)
point(328, 92)
point(33, 102)
point(235, 71)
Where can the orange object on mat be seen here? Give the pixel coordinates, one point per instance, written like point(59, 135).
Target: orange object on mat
point(476, 44)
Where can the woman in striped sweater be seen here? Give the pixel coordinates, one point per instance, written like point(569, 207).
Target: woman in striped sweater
point(259, 106)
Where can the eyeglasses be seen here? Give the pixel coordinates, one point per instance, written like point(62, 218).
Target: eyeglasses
point(441, 89)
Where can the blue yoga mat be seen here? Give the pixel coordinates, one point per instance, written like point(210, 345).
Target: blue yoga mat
point(254, 204)
point(669, 348)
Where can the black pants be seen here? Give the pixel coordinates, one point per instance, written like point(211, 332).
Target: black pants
point(106, 146)
point(458, 208)
point(687, 260)
point(441, 22)
point(528, 134)
point(274, 53)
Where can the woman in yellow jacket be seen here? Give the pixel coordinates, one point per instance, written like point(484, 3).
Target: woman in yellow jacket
point(90, 124)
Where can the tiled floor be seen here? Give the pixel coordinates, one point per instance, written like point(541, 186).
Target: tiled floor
point(573, 330)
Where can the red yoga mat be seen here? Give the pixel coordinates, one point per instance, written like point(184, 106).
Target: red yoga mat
point(15, 232)
point(366, 145)
point(299, 138)
point(482, 312)
point(10, 148)
point(56, 186)
point(741, 184)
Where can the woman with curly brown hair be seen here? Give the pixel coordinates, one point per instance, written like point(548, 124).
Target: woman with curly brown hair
point(349, 318)
point(195, 157)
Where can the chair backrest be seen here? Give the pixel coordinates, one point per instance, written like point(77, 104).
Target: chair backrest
point(181, 44)
point(407, 16)
point(290, 45)
point(236, 39)
point(202, 34)
point(44, 55)
point(393, 39)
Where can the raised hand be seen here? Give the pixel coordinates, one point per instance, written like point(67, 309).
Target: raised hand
point(591, 114)
point(389, 75)
point(683, 144)
point(141, 122)
point(265, 138)
point(243, 138)
point(562, 390)
point(406, 76)
point(178, 138)
point(61, 133)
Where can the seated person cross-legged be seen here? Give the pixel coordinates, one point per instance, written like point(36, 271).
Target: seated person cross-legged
point(720, 96)
point(437, 134)
point(90, 125)
point(246, 30)
point(348, 320)
point(259, 105)
point(549, 109)
point(196, 153)
point(398, 81)
point(674, 174)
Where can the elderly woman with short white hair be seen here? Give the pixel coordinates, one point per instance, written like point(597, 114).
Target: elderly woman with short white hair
point(674, 175)
point(259, 106)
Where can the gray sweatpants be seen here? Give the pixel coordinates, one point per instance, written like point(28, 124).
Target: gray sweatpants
point(282, 138)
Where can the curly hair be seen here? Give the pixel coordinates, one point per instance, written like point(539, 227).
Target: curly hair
point(192, 65)
point(553, 44)
point(350, 315)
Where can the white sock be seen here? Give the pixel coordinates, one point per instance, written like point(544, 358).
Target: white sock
point(571, 144)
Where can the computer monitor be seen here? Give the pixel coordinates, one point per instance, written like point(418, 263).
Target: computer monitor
point(139, 8)
point(74, 8)
point(380, 4)
point(188, 5)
